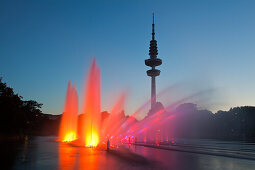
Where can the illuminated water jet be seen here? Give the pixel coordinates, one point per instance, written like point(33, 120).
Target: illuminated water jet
point(68, 126)
point(90, 132)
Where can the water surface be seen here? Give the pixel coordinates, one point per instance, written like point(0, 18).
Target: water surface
point(45, 153)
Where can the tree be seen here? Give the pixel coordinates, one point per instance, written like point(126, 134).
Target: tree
point(16, 115)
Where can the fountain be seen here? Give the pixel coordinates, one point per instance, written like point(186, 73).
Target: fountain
point(68, 126)
point(91, 108)
point(90, 132)
point(91, 127)
point(116, 128)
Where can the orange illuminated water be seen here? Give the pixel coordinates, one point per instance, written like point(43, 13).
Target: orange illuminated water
point(68, 126)
point(91, 108)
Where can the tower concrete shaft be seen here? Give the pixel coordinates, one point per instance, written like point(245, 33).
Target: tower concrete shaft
point(153, 91)
point(152, 62)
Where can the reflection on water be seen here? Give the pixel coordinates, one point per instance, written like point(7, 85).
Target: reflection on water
point(46, 153)
point(9, 151)
point(67, 156)
point(89, 158)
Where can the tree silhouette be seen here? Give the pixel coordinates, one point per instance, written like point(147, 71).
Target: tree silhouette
point(17, 116)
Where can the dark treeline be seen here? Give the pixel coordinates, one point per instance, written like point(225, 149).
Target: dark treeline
point(236, 124)
point(19, 117)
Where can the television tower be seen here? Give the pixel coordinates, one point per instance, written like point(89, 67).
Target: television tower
point(152, 62)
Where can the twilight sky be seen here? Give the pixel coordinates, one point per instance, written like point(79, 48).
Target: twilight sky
point(204, 44)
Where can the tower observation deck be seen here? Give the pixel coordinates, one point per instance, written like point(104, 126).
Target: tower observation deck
point(152, 62)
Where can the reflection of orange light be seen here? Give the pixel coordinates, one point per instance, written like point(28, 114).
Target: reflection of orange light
point(70, 136)
point(90, 159)
point(67, 157)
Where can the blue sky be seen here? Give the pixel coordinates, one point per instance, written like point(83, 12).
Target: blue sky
point(203, 44)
